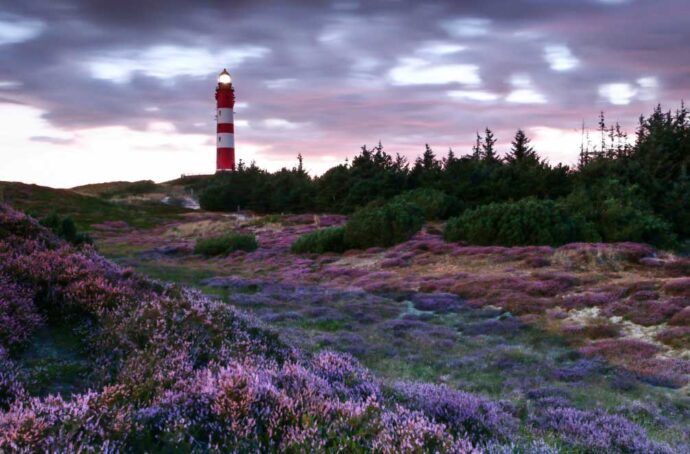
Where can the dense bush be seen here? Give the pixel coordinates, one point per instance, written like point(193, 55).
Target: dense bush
point(331, 239)
point(378, 224)
point(435, 204)
point(618, 213)
point(225, 244)
point(65, 228)
point(383, 224)
point(526, 222)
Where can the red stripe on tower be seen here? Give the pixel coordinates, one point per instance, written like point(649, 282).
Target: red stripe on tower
point(225, 130)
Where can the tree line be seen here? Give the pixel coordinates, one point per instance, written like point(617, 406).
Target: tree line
point(616, 182)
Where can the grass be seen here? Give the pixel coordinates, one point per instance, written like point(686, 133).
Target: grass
point(54, 362)
point(86, 210)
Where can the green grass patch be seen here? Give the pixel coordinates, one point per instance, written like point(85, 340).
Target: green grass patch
point(86, 210)
point(225, 244)
point(324, 325)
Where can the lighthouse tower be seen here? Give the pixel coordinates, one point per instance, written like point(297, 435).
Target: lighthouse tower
point(225, 131)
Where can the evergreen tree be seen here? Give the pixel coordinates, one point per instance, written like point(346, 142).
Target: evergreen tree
point(450, 159)
point(300, 166)
point(429, 159)
point(477, 148)
point(520, 150)
point(488, 150)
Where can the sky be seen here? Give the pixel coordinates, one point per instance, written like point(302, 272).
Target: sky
point(96, 90)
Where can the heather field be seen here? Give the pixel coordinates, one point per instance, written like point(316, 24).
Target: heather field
point(593, 327)
point(426, 346)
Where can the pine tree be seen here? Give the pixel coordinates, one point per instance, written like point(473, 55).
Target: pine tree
point(300, 166)
point(477, 148)
point(520, 150)
point(450, 159)
point(429, 158)
point(488, 150)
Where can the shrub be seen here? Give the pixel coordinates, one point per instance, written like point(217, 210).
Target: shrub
point(225, 244)
point(435, 204)
point(618, 213)
point(383, 225)
point(331, 239)
point(525, 222)
point(65, 228)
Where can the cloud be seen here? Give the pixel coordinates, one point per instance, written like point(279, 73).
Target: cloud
point(441, 48)
point(524, 91)
point(280, 123)
point(16, 29)
point(467, 27)
point(473, 95)
point(560, 58)
point(53, 140)
point(167, 62)
point(417, 71)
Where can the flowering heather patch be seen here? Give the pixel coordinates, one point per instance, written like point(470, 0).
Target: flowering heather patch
point(639, 358)
point(611, 256)
point(588, 299)
point(677, 267)
point(482, 419)
point(10, 387)
point(509, 326)
point(678, 287)
point(19, 316)
point(625, 349)
point(646, 313)
point(598, 431)
point(678, 337)
point(173, 368)
point(681, 318)
point(347, 377)
point(437, 302)
point(599, 330)
point(180, 370)
point(578, 371)
point(394, 263)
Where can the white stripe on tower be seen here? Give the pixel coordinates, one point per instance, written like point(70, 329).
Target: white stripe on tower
point(226, 140)
point(225, 115)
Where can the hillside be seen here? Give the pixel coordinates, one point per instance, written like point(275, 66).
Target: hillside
point(86, 205)
point(528, 349)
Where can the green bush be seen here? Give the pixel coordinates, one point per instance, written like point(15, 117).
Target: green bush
point(435, 204)
point(619, 212)
point(65, 228)
point(331, 239)
point(525, 222)
point(383, 225)
point(225, 244)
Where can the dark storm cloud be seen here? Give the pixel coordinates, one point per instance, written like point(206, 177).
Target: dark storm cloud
point(319, 76)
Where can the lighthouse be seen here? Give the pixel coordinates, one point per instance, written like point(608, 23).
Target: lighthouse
point(225, 130)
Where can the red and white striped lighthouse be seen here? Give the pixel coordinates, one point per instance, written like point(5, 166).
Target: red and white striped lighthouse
point(225, 131)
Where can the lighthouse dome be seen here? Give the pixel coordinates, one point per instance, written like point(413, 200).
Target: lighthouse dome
point(224, 77)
